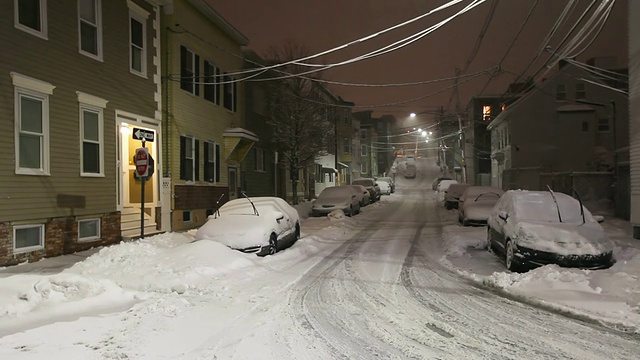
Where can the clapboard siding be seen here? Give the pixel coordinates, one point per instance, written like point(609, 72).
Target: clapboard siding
point(193, 115)
point(58, 61)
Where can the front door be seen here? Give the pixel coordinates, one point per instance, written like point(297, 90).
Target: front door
point(233, 183)
point(131, 186)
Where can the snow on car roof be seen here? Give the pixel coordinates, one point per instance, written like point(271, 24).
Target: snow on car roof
point(336, 190)
point(540, 206)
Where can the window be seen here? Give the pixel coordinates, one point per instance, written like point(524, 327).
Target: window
point(561, 92)
point(585, 126)
point(189, 71)
point(91, 132)
point(189, 159)
point(363, 150)
point(603, 125)
point(138, 42)
point(212, 83)
point(363, 167)
point(230, 93)
point(486, 113)
point(28, 238)
point(211, 162)
point(580, 91)
point(363, 135)
point(90, 28)
point(31, 16)
point(187, 216)
point(259, 159)
point(347, 145)
point(89, 229)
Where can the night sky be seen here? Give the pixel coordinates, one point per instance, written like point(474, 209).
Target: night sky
point(320, 25)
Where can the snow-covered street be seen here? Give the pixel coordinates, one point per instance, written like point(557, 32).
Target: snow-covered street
point(400, 280)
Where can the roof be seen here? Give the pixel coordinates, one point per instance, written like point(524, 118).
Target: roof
point(217, 19)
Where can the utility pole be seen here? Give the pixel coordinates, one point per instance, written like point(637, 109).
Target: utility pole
point(461, 142)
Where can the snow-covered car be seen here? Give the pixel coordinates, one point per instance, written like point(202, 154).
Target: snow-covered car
point(261, 225)
point(389, 180)
point(410, 171)
point(364, 198)
point(444, 185)
point(436, 181)
point(476, 203)
point(452, 194)
point(536, 228)
point(336, 198)
point(385, 187)
point(370, 185)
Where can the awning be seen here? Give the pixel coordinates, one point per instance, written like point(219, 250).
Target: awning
point(237, 143)
point(343, 165)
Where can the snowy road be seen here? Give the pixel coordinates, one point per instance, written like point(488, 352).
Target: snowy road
point(383, 294)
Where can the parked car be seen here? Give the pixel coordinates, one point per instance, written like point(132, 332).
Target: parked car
point(535, 228)
point(336, 198)
point(452, 194)
point(476, 203)
point(385, 187)
point(262, 225)
point(392, 183)
point(370, 185)
point(436, 181)
point(410, 171)
point(364, 197)
point(444, 185)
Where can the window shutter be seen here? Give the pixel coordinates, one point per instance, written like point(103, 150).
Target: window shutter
point(217, 163)
point(235, 96)
point(196, 79)
point(207, 165)
point(197, 160)
point(217, 81)
point(183, 162)
point(184, 81)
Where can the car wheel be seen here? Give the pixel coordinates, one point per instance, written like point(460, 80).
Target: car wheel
point(297, 231)
point(465, 222)
point(448, 205)
point(350, 211)
point(509, 258)
point(273, 244)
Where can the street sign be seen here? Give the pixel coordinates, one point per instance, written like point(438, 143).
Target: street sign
point(143, 134)
point(141, 161)
point(151, 169)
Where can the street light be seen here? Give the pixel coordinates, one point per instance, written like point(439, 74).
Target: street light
point(412, 115)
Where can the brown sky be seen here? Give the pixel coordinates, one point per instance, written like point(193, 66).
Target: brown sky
point(320, 25)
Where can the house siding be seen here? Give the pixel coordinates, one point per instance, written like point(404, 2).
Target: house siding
point(64, 195)
point(634, 110)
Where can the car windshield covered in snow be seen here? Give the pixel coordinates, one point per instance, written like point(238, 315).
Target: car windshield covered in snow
point(540, 206)
point(366, 182)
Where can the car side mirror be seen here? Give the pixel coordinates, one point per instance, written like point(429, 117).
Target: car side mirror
point(503, 215)
point(279, 216)
point(598, 218)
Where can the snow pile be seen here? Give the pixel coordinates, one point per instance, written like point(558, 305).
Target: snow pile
point(457, 242)
point(163, 263)
point(336, 215)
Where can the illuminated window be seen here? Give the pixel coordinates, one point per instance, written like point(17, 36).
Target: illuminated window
point(486, 112)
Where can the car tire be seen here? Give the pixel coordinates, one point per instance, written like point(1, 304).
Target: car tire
point(465, 222)
point(489, 245)
point(509, 257)
point(297, 232)
point(273, 244)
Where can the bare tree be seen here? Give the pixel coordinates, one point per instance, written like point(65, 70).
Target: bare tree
point(301, 129)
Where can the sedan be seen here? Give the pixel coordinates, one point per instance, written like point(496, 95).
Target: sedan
point(372, 187)
point(385, 187)
point(452, 195)
point(476, 203)
point(364, 198)
point(261, 225)
point(392, 184)
point(436, 181)
point(536, 228)
point(336, 198)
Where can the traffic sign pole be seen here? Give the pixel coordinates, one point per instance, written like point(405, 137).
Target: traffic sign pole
point(143, 178)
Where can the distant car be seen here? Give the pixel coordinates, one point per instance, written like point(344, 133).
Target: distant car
point(261, 225)
point(410, 171)
point(364, 197)
point(476, 203)
point(392, 183)
point(370, 185)
point(444, 185)
point(385, 187)
point(436, 181)
point(336, 198)
point(535, 228)
point(452, 195)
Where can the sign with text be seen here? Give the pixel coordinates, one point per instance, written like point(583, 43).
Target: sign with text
point(141, 161)
point(143, 134)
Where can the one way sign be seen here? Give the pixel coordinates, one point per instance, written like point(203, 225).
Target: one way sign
point(143, 134)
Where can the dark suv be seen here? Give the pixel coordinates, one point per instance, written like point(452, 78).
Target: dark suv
point(372, 187)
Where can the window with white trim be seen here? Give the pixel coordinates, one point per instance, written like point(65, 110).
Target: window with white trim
point(88, 229)
point(187, 216)
point(91, 133)
point(363, 150)
point(347, 145)
point(581, 92)
point(32, 133)
point(31, 16)
point(189, 71)
point(258, 159)
point(90, 28)
point(363, 167)
point(138, 43)
point(212, 82)
point(189, 158)
point(28, 238)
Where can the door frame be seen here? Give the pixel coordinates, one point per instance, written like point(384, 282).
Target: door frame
point(234, 169)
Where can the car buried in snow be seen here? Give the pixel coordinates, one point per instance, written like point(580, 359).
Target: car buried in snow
point(452, 195)
point(362, 194)
point(370, 185)
point(392, 184)
point(476, 203)
point(535, 228)
point(261, 225)
point(336, 198)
